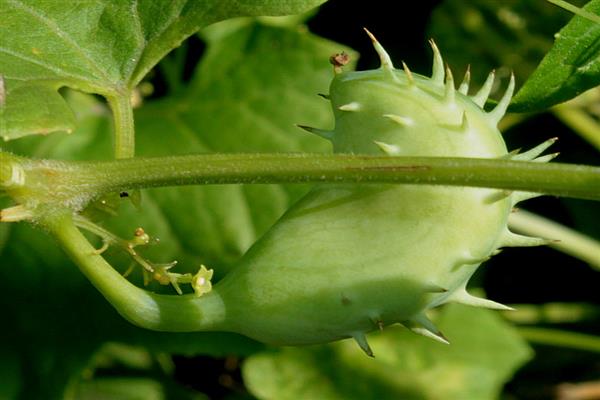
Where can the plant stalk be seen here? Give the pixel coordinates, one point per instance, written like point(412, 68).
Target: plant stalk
point(122, 110)
point(578, 181)
point(555, 337)
point(148, 310)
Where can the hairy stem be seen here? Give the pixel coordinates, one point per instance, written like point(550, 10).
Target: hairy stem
point(122, 110)
point(148, 310)
point(74, 184)
point(577, 181)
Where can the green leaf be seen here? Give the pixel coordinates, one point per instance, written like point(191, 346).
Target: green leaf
point(32, 109)
point(103, 47)
point(254, 109)
point(484, 352)
point(571, 67)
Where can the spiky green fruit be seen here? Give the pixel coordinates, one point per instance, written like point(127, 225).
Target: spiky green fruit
point(348, 259)
point(351, 258)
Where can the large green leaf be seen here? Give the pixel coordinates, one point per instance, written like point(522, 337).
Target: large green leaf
point(483, 353)
point(571, 67)
point(54, 310)
point(100, 46)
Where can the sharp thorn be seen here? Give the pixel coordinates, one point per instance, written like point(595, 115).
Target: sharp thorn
point(361, 339)
point(510, 239)
point(384, 57)
point(511, 155)
point(536, 151)
point(421, 325)
point(354, 106)
point(409, 75)
point(449, 89)
point(319, 132)
point(463, 297)
point(389, 149)
point(437, 73)
point(546, 158)
point(482, 95)
point(325, 96)
point(404, 121)
point(464, 86)
point(498, 112)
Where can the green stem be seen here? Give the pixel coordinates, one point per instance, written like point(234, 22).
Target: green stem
point(551, 313)
point(554, 337)
point(576, 10)
point(578, 120)
point(124, 126)
point(569, 180)
point(184, 313)
point(567, 240)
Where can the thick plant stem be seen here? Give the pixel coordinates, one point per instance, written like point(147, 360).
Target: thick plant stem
point(148, 310)
point(75, 184)
point(577, 181)
point(122, 110)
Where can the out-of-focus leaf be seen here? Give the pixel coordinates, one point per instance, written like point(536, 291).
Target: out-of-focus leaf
point(104, 47)
point(120, 389)
point(248, 92)
point(483, 354)
point(571, 67)
point(508, 35)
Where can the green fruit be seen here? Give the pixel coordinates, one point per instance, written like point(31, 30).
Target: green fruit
point(347, 259)
point(351, 258)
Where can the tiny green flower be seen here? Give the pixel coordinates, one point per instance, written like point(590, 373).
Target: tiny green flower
point(201, 281)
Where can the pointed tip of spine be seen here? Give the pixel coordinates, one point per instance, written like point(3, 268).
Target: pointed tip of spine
point(384, 57)
point(498, 112)
point(482, 95)
point(437, 72)
point(421, 325)
point(510, 239)
point(389, 149)
point(449, 88)
point(361, 340)
point(319, 132)
point(546, 158)
point(463, 297)
point(353, 106)
point(409, 75)
point(464, 86)
point(530, 155)
point(399, 119)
